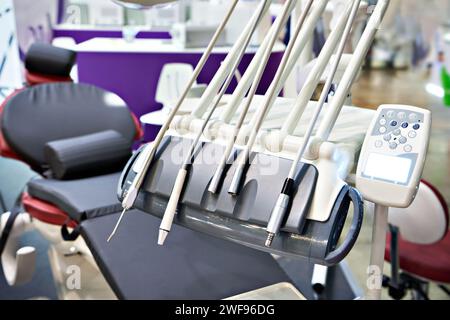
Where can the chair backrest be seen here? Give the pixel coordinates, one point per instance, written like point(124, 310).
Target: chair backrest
point(426, 220)
point(49, 112)
point(172, 81)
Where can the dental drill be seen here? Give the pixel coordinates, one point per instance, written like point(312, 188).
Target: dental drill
point(282, 205)
point(215, 182)
point(171, 209)
point(307, 90)
point(131, 195)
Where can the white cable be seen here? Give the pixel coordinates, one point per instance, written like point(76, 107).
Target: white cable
point(326, 89)
point(215, 182)
point(131, 195)
point(352, 70)
point(224, 70)
point(170, 212)
point(302, 40)
point(316, 73)
point(327, 51)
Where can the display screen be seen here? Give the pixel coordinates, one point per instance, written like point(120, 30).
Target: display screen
point(394, 169)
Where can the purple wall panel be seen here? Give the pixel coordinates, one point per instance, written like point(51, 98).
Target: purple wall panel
point(134, 76)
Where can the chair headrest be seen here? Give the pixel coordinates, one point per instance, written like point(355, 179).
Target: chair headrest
point(45, 59)
point(57, 111)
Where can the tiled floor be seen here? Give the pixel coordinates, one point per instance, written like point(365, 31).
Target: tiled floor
point(404, 87)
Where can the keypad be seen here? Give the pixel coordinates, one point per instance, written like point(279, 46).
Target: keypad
point(396, 128)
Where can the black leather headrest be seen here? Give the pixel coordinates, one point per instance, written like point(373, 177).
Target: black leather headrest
point(50, 112)
point(88, 155)
point(43, 58)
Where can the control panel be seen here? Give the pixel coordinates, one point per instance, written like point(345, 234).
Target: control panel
point(393, 155)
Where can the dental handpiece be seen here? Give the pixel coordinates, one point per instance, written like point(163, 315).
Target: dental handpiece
point(171, 209)
point(215, 182)
point(283, 202)
point(131, 195)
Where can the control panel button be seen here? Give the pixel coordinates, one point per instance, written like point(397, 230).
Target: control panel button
point(407, 148)
point(412, 134)
point(393, 145)
point(413, 117)
point(382, 122)
point(397, 132)
point(383, 130)
point(394, 123)
point(387, 137)
point(416, 126)
point(378, 144)
point(405, 125)
point(390, 114)
point(401, 115)
point(402, 140)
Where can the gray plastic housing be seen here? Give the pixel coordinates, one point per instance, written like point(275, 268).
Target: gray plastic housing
point(243, 218)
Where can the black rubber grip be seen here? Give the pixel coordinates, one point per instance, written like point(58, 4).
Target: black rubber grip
point(288, 187)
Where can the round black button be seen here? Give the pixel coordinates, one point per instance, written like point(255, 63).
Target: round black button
point(394, 123)
point(416, 127)
point(405, 125)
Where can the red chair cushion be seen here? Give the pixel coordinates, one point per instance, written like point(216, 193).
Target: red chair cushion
point(34, 78)
point(431, 262)
point(46, 212)
point(5, 149)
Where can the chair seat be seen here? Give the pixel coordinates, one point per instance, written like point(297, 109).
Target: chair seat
point(190, 265)
point(431, 262)
point(80, 199)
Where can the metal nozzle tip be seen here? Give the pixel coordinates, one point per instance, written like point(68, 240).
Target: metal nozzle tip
point(269, 239)
point(113, 233)
point(162, 236)
point(110, 237)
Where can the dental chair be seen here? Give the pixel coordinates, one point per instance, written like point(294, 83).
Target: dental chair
point(419, 245)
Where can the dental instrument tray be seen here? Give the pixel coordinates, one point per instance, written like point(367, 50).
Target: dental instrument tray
point(243, 218)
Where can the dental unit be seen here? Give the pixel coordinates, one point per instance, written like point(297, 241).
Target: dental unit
point(323, 208)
